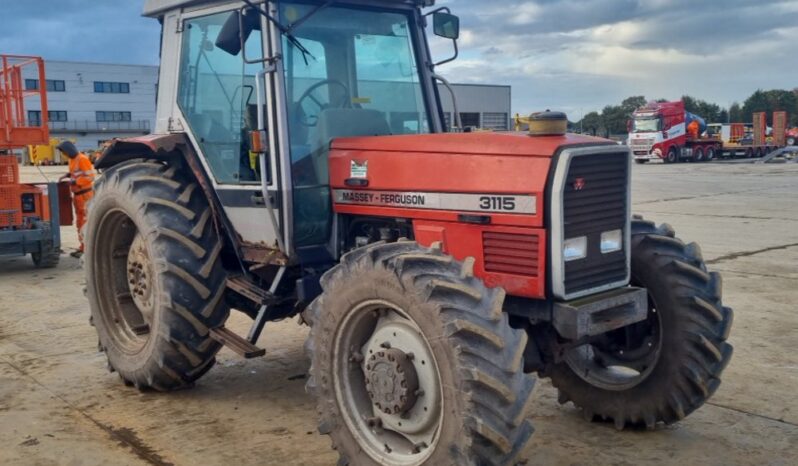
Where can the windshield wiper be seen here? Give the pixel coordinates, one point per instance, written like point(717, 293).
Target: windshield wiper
point(287, 31)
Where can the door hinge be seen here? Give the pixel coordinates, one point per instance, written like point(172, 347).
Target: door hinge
point(175, 125)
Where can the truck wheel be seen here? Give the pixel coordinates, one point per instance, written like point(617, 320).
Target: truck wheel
point(413, 362)
point(664, 368)
point(641, 161)
point(710, 155)
point(673, 155)
point(698, 154)
point(155, 283)
point(791, 141)
point(49, 256)
point(749, 153)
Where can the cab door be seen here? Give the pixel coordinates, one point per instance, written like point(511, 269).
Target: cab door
point(217, 97)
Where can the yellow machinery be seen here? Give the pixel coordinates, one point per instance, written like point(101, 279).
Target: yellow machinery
point(46, 154)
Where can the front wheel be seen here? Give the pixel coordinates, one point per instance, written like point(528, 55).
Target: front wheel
point(413, 362)
point(673, 155)
point(666, 367)
point(791, 141)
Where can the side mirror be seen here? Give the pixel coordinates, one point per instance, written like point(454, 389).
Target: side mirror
point(446, 25)
point(236, 30)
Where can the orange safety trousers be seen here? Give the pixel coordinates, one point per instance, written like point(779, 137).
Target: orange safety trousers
point(80, 201)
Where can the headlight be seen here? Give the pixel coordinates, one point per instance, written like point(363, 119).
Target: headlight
point(574, 248)
point(611, 241)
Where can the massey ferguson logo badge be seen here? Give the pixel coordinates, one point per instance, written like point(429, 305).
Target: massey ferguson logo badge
point(579, 184)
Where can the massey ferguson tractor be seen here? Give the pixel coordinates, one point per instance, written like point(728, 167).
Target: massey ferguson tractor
point(301, 165)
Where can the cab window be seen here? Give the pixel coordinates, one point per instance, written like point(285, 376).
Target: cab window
point(216, 94)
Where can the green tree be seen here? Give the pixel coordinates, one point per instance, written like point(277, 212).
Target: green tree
point(591, 123)
point(736, 113)
point(630, 104)
point(614, 119)
point(771, 101)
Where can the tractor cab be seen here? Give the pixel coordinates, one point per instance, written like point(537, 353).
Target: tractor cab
point(296, 75)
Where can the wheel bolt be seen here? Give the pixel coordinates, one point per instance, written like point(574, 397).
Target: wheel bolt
point(419, 392)
point(418, 447)
point(410, 356)
point(386, 345)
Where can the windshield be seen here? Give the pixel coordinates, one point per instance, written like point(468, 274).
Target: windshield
point(359, 76)
point(647, 125)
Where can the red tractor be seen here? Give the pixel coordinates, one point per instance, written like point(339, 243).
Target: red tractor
point(301, 165)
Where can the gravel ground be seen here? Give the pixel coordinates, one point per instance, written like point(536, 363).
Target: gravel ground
point(59, 404)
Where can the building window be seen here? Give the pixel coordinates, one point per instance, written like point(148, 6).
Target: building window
point(111, 88)
point(470, 120)
point(35, 116)
point(495, 121)
point(57, 115)
point(113, 116)
point(53, 85)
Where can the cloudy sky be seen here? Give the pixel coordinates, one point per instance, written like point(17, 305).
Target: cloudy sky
point(574, 55)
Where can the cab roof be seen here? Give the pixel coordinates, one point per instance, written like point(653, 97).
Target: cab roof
point(156, 8)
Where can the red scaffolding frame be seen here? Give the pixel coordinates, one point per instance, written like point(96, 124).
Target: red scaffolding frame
point(16, 130)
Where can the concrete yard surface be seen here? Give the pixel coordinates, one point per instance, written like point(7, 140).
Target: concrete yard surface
point(60, 405)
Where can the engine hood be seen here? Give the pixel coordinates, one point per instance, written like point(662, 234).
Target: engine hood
point(382, 175)
point(480, 143)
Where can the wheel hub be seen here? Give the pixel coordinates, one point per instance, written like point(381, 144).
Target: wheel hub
point(392, 381)
point(139, 276)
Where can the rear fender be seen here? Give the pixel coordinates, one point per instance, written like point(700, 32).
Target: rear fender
point(173, 148)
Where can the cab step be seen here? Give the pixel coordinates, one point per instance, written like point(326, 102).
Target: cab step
point(236, 343)
point(246, 288)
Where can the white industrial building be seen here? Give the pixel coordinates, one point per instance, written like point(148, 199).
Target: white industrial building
point(91, 103)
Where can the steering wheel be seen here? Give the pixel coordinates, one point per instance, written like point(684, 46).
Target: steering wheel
point(308, 94)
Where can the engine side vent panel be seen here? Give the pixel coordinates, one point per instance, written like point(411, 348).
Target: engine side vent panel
point(511, 253)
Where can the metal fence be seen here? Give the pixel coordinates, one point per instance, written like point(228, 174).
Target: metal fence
point(88, 126)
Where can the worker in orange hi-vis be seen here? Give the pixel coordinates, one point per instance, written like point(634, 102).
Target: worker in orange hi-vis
point(81, 177)
point(692, 129)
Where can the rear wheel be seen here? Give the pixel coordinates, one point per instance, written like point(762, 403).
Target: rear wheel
point(710, 155)
point(749, 153)
point(664, 368)
point(641, 161)
point(791, 141)
point(698, 154)
point(414, 362)
point(155, 283)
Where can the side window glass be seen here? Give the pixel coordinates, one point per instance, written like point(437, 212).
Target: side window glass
point(217, 96)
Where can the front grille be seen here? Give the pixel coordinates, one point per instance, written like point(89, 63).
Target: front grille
point(640, 145)
point(595, 200)
point(510, 253)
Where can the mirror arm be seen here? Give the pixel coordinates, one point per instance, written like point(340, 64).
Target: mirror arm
point(456, 54)
point(456, 117)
